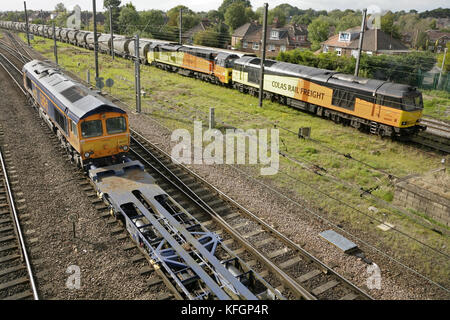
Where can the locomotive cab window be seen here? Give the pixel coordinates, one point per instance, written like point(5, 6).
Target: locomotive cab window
point(73, 128)
point(116, 125)
point(90, 129)
point(412, 103)
point(29, 83)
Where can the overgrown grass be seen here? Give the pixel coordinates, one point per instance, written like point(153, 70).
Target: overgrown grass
point(436, 104)
point(175, 101)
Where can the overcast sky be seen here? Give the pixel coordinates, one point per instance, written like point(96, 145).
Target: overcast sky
point(206, 5)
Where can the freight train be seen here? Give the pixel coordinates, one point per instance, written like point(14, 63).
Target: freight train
point(91, 129)
point(379, 107)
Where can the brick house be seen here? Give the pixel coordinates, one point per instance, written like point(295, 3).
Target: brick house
point(248, 38)
point(375, 42)
point(437, 40)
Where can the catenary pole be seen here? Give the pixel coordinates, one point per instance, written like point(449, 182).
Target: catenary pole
point(361, 38)
point(111, 31)
point(181, 25)
point(97, 75)
point(55, 48)
point(26, 22)
point(137, 74)
point(263, 56)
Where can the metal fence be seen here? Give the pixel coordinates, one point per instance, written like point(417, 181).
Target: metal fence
point(430, 81)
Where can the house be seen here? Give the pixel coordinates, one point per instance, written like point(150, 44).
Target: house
point(188, 36)
point(375, 41)
point(437, 40)
point(409, 38)
point(248, 38)
point(243, 31)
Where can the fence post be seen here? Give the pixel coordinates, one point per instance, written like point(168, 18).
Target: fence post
point(212, 122)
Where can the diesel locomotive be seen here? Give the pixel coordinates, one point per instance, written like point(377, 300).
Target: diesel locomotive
point(90, 128)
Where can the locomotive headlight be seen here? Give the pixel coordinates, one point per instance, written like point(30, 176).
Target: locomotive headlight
point(404, 123)
point(87, 154)
point(124, 148)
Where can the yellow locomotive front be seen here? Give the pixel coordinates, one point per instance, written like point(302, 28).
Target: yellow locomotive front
point(104, 135)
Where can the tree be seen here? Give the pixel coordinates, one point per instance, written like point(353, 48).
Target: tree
point(227, 3)
point(302, 19)
point(235, 15)
point(190, 18)
point(129, 19)
point(319, 29)
point(388, 26)
point(348, 21)
point(115, 7)
point(59, 8)
point(422, 40)
point(214, 15)
point(152, 18)
point(208, 37)
point(277, 13)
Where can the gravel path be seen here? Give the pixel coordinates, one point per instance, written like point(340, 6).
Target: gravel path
point(52, 193)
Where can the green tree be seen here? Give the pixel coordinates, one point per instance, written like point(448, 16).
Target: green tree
point(422, 40)
point(60, 7)
point(152, 18)
point(348, 21)
point(302, 19)
point(277, 13)
point(209, 37)
point(388, 26)
point(227, 3)
point(235, 15)
point(129, 19)
point(190, 18)
point(115, 7)
point(318, 30)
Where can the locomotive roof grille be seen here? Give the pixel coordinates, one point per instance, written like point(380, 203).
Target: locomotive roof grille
point(78, 102)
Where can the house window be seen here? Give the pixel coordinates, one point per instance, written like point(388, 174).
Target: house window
point(255, 46)
point(325, 49)
point(338, 51)
point(344, 36)
point(283, 48)
point(271, 47)
point(302, 38)
point(245, 44)
point(274, 34)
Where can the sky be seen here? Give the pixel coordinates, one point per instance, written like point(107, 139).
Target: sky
point(206, 5)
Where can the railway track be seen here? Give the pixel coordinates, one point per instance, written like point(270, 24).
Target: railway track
point(16, 274)
point(288, 267)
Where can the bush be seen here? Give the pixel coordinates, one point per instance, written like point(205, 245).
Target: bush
point(396, 68)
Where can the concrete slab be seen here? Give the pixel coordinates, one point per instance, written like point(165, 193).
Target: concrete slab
point(385, 226)
point(338, 240)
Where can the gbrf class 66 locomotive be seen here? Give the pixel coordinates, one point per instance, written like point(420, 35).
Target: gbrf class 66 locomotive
point(91, 129)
